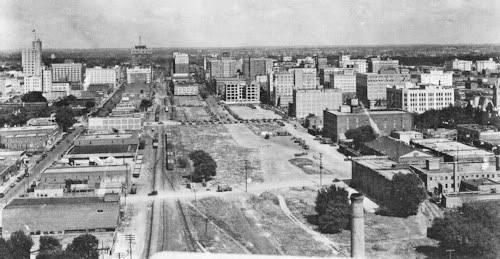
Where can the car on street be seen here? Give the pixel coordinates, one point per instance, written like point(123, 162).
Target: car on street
point(12, 185)
point(224, 188)
point(153, 193)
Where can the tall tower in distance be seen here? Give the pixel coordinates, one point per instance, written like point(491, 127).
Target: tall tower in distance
point(496, 95)
point(141, 55)
point(32, 58)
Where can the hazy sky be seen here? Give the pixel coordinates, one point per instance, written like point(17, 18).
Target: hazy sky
point(227, 23)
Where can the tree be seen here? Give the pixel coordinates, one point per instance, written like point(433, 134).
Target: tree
point(84, 246)
point(34, 96)
point(204, 93)
point(362, 134)
point(90, 104)
point(20, 245)
point(473, 230)
point(332, 206)
point(49, 244)
point(4, 249)
point(145, 104)
point(64, 118)
point(205, 166)
point(406, 194)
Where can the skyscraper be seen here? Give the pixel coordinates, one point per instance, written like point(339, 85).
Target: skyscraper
point(32, 59)
point(141, 55)
point(181, 63)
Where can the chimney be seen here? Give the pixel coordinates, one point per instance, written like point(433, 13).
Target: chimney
point(455, 169)
point(497, 162)
point(357, 226)
point(432, 164)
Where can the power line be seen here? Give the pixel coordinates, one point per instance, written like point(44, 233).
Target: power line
point(130, 238)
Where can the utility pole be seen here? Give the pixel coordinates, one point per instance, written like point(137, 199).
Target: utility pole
point(130, 238)
point(120, 255)
point(246, 175)
point(450, 251)
point(320, 169)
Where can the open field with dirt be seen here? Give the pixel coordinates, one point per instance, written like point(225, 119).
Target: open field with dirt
point(230, 157)
point(255, 225)
point(385, 237)
point(247, 113)
point(189, 101)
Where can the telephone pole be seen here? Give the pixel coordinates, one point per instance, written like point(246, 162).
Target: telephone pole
point(130, 238)
point(320, 169)
point(246, 175)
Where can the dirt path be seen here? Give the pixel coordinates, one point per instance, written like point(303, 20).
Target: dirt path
point(317, 236)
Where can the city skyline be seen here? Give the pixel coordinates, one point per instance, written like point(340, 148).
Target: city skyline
point(198, 23)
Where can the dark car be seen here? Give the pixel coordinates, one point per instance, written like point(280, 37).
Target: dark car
point(153, 193)
point(224, 188)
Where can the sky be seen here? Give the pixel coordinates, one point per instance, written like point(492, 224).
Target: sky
point(237, 23)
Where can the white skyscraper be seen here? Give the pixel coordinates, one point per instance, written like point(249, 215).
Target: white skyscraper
point(32, 59)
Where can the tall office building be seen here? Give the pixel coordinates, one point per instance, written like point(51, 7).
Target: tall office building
point(314, 101)
point(371, 88)
point(99, 75)
point(462, 65)
point(33, 84)
point(359, 65)
point(345, 81)
point(305, 78)
point(138, 75)
point(239, 91)
point(181, 63)
point(282, 85)
point(141, 55)
point(67, 72)
point(32, 59)
point(489, 64)
point(225, 67)
point(253, 67)
point(47, 80)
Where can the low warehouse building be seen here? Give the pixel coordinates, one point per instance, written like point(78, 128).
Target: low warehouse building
point(61, 215)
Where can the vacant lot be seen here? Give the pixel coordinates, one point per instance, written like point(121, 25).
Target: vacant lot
point(230, 157)
point(247, 113)
point(385, 236)
point(189, 101)
point(258, 225)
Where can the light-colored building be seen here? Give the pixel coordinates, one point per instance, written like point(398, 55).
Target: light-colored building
point(139, 75)
point(67, 72)
point(47, 80)
point(305, 78)
point(181, 63)
point(186, 89)
point(345, 81)
point(420, 99)
point(33, 138)
point(33, 83)
point(359, 65)
point(462, 65)
point(486, 65)
point(32, 59)
point(253, 67)
point(376, 65)
point(282, 85)
point(242, 92)
point(314, 101)
point(141, 54)
point(371, 88)
point(99, 75)
point(109, 124)
point(436, 77)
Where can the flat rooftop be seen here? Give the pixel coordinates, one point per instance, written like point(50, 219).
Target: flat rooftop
point(104, 136)
point(72, 201)
point(103, 149)
point(382, 165)
point(375, 112)
point(10, 129)
point(451, 148)
point(84, 169)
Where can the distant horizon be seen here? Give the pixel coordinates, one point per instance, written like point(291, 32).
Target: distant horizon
point(271, 46)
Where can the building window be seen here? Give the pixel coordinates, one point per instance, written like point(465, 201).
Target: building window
point(99, 211)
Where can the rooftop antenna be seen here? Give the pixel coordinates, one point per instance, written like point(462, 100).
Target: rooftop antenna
point(34, 34)
point(140, 40)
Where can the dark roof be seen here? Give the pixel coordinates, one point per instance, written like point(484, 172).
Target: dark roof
point(390, 147)
point(54, 201)
point(103, 149)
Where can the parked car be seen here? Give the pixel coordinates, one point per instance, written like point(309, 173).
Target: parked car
point(224, 188)
point(12, 185)
point(153, 193)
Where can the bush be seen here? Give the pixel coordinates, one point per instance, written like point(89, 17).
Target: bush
point(361, 134)
point(182, 162)
point(332, 206)
point(34, 96)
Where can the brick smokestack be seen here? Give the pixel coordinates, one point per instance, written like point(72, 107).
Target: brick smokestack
point(357, 226)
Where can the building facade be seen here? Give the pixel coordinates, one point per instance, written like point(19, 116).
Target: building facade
point(359, 65)
point(181, 63)
point(436, 78)
point(314, 101)
point(138, 75)
point(225, 67)
point(186, 89)
point(346, 82)
point(32, 59)
point(253, 67)
point(33, 83)
point(31, 138)
point(67, 72)
point(99, 75)
point(376, 65)
point(420, 99)
point(242, 92)
point(337, 123)
point(461, 65)
point(371, 88)
point(282, 85)
point(108, 124)
point(305, 78)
